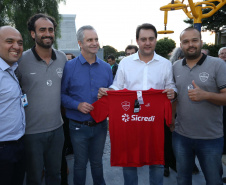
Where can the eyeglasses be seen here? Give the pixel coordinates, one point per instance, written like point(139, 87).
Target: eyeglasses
point(223, 53)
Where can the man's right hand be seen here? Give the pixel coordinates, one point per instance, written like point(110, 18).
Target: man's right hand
point(85, 107)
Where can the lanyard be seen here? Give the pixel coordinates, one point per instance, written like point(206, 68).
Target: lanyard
point(12, 76)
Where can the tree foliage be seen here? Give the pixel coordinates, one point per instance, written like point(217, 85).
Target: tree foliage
point(165, 46)
point(109, 50)
point(213, 49)
point(213, 23)
point(17, 12)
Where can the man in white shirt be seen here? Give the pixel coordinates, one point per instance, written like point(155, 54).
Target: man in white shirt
point(142, 71)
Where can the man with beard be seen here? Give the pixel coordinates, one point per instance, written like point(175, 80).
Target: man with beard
point(39, 72)
point(201, 84)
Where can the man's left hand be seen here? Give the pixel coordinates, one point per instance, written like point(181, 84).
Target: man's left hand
point(170, 93)
point(196, 94)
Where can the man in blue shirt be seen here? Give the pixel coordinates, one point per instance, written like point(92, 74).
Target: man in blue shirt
point(82, 77)
point(12, 118)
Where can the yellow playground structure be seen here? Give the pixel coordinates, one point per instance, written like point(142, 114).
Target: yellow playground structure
point(192, 10)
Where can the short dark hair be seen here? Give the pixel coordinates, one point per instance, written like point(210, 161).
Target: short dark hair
point(145, 26)
point(112, 57)
point(190, 29)
point(34, 18)
point(72, 55)
point(132, 47)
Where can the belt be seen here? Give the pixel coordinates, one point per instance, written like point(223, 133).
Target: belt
point(88, 123)
point(10, 142)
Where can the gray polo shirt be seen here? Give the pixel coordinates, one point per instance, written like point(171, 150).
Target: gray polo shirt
point(42, 84)
point(199, 120)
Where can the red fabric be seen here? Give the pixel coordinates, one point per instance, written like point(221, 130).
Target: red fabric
point(137, 139)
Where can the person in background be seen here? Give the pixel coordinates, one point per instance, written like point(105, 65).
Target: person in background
point(67, 149)
point(176, 55)
point(170, 160)
point(39, 72)
point(70, 56)
point(131, 49)
point(113, 64)
point(222, 53)
point(12, 117)
point(205, 51)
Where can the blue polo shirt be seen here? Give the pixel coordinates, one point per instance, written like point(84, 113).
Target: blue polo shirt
point(81, 82)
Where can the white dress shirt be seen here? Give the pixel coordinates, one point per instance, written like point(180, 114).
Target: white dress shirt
point(134, 74)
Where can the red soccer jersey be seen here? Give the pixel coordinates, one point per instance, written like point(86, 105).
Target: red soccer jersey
point(137, 139)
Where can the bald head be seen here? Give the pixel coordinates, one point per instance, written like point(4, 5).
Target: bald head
point(11, 44)
point(4, 29)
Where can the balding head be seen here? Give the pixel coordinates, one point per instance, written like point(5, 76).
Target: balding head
point(222, 53)
point(4, 29)
point(11, 44)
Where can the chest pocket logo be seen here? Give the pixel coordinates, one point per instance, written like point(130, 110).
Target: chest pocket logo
point(203, 76)
point(59, 72)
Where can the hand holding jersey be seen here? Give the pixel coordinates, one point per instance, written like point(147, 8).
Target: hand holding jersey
point(85, 107)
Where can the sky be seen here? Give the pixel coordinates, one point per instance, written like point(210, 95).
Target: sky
point(116, 20)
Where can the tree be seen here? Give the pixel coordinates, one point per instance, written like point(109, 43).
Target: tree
point(109, 50)
point(213, 49)
point(213, 23)
point(17, 12)
point(121, 53)
point(165, 46)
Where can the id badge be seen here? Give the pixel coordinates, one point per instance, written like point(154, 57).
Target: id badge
point(140, 97)
point(24, 100)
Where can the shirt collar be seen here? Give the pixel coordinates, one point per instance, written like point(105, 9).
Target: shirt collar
point(202, 59)
point(4, 65)
point(83, 60)
point(53, 57)
point(136, 57)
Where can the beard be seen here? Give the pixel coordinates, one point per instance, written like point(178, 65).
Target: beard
point(192, 56)
point(40, 42)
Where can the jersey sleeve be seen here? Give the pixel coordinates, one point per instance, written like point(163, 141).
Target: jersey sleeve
point(101, 109)
point(168, 112)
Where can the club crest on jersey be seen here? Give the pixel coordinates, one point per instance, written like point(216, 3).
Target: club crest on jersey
point(203, 76)
point(125, 105)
